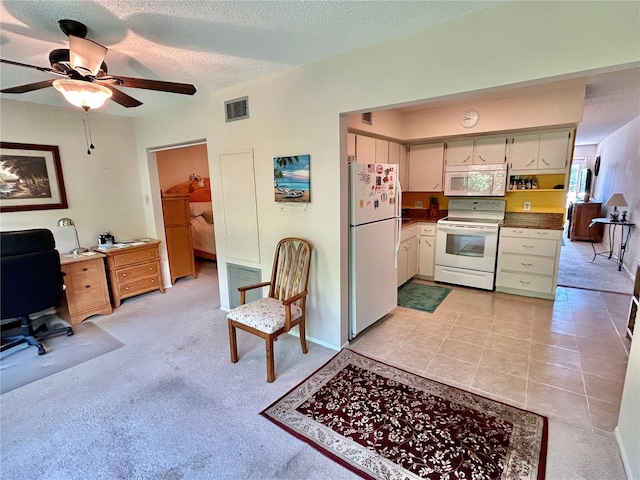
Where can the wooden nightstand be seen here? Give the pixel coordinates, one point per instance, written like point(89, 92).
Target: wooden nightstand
point(133, 270)
point(86, 291)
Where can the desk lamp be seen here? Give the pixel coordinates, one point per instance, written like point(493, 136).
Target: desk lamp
point(67, 222)
point(616, 200)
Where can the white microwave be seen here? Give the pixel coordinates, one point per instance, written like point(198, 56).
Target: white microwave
point(475, 180)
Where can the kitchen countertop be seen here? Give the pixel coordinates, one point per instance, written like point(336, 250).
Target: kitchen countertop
point(545, 221)
point(411, 216)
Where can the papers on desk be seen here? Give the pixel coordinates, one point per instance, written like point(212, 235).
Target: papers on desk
point(119, 245)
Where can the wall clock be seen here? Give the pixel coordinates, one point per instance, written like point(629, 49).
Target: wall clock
point(469, 118)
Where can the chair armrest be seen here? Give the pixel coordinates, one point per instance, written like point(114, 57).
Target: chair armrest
point(243, 290)
point(295, 298)
point(251, 287)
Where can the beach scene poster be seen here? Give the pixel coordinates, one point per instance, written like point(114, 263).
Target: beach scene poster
point(291, 179)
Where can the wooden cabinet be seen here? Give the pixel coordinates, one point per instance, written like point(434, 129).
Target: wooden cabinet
point(86, 292)
point(382, 151)
point(408, 254)
point(477, 151)
point(427, 242)
point(581, 216)
point(426, 167)
point(177, 228)
point(528, 261)
point(133, 270)
point(398, 154)
point(540, 152)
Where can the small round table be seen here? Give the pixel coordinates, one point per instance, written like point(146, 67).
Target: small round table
point(624, 240)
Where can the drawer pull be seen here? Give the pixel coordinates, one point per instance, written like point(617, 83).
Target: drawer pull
point(150, 269)
point(153, 281)
point(528, 247)
point(526, 284)
point(527, 265)
point(87, 286)
point(124, 274)
point(126, 288)
point(85, 269)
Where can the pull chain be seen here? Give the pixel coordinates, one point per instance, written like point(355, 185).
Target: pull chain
point(87, 126)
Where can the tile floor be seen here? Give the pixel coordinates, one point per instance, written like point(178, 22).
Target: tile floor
point(565, 359)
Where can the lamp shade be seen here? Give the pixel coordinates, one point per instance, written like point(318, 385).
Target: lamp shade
point(66, 222)
point(83, 94)
point(616, 200)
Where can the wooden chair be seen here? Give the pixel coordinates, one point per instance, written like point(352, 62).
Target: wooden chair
point(284, 307)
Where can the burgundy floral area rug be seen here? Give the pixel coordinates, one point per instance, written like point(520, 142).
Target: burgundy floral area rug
point(384, 423)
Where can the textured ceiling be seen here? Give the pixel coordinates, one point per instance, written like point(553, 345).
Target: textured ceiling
point(216, 44)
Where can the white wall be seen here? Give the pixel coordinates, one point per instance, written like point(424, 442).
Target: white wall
point(103, 189)
point(299, 112)
point(620, 173)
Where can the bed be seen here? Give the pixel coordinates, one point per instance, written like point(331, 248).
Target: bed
point(201, 211)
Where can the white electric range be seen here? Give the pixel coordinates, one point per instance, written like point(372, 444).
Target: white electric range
point(467, 243)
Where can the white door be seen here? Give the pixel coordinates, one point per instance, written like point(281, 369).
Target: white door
point(372, 273)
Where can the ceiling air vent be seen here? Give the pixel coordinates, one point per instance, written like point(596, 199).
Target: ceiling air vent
point(236, 109)
point(367, 118)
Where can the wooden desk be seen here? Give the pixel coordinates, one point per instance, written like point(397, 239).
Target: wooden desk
point(133, 270)
point(86, 291)
point(624, 240)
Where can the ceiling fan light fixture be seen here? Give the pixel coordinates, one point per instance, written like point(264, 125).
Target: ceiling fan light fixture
point(83, 94)
point(86, 56)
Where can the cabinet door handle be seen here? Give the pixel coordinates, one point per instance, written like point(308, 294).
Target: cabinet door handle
point(436, 186)
point(545, 162)
point(531, 162)
point(480, 157)
point(466, 159)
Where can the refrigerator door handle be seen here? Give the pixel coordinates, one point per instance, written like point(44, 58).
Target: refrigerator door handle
point(398, 198)
point(398, 235)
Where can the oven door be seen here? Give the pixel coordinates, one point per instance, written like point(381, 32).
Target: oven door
point(467, 247)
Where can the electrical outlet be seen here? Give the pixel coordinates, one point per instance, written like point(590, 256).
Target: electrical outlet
point(527, 206)
point(418, 203)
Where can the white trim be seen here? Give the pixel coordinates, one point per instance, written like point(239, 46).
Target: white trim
point(623, 455)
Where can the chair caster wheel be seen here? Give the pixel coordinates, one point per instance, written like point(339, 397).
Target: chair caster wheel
point(41, 350)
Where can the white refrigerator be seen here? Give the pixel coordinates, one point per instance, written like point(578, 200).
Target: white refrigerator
point(374, 236)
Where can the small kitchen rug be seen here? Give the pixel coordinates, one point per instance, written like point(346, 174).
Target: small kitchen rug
point(382, 422)
point(420, 296)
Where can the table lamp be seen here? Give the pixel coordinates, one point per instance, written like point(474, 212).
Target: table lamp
point(67, 222)
point(616, 200)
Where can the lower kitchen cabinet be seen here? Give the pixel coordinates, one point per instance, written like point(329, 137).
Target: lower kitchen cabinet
point(408, 254)
point(427, 250)
point(528, 261)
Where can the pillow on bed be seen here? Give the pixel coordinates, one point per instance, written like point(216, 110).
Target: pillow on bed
point(197, 208)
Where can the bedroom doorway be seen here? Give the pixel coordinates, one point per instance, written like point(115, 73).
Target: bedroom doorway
point(184, 171)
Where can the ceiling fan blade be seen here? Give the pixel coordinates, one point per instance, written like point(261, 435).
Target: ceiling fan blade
point(122, 98)
point(159, 85)
point(18, 64)
point(28, 88)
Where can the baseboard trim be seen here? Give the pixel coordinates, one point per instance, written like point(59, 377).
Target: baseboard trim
point(623, 455)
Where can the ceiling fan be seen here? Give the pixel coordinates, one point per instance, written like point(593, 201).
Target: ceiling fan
point(86, 83)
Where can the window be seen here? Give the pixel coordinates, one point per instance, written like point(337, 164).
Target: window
point(577, 180)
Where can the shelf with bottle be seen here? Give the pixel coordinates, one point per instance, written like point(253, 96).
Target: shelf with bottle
point(541, 183)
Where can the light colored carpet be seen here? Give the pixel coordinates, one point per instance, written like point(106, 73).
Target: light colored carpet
point(22, 364)
point(170, 405)
point(578, 271)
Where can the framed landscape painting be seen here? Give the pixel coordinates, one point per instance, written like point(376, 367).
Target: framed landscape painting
point(291, 179)
point(30, 178)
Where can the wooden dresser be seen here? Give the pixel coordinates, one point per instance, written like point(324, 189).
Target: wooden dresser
point(581, 216)
point(133, 270)
point(177, 228)
point(86, 292)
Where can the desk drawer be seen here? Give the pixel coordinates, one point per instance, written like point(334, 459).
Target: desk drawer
point(529, 246)
point(138, 286)
point(125, 275)
point(130, 258)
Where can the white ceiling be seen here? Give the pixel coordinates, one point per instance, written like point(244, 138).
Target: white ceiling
point(216, 44)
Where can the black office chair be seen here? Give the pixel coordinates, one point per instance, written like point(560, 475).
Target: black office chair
point(31, 281)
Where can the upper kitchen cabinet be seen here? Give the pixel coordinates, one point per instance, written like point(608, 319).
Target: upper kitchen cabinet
point(365, 149)
point(398, 154)
point(426, 166)
point(477, 151)
point(540, 152)
point(351, 147)
point(382, 151)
